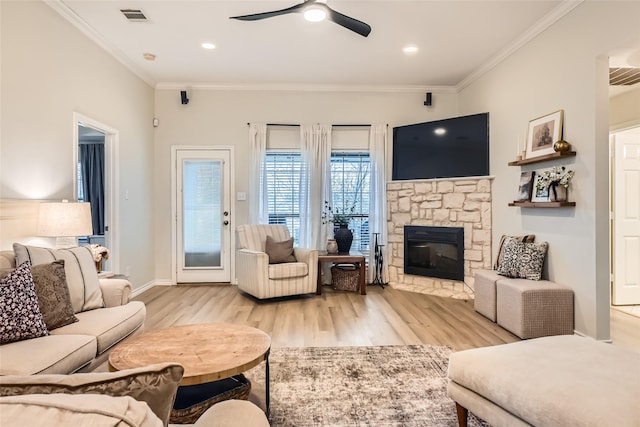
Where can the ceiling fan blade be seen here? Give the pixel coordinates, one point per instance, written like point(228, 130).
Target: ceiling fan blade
point(264, 15)
point(348, 22)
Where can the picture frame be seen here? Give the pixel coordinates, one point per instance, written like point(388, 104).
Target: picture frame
point(539, 195)
point(542, 133)
point(525, 189)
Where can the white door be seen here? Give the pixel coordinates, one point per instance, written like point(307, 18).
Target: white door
point(203, 215)
point(626, 218)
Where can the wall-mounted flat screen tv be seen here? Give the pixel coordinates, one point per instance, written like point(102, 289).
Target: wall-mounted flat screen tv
point(455, 147)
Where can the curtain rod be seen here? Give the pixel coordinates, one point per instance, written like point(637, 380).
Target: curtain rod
point(294, 125)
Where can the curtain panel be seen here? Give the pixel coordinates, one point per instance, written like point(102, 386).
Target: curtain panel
point(91, 157)
point(378, 193)
point(315, 184)
point(258, 209)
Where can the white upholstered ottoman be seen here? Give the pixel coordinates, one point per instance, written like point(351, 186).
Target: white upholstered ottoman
point(484, 285)
point(534, 308)
point(552, 381)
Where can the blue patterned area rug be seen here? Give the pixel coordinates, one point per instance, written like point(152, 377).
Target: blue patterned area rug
point(359, 386)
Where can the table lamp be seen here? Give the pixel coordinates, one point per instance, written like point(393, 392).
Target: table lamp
point(65, 221)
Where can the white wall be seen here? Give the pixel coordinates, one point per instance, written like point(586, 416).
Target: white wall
point(221, 117)
point(563, 68)
point(624, 110)
point(49, 71)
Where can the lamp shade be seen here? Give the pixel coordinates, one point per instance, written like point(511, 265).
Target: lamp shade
point(65, 219)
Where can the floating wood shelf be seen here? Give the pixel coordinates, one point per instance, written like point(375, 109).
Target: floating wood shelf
point(543, 204)
point(557, 155)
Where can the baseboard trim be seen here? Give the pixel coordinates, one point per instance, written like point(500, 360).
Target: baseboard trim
point(144, 288)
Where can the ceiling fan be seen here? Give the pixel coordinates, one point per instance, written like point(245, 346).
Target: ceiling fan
point(314, 10)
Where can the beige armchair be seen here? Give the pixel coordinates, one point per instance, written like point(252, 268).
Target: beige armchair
point(263, 280)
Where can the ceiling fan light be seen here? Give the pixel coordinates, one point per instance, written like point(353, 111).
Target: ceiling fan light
point(314, 14)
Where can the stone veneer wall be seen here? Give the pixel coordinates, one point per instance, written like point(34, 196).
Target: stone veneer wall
point(457, 202)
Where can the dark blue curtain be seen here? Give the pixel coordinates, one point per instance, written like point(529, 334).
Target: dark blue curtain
point(92, 167)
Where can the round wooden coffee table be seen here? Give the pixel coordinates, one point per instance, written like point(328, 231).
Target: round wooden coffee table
point(207, 351)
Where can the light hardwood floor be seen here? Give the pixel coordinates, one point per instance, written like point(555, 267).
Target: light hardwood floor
point(382, 317)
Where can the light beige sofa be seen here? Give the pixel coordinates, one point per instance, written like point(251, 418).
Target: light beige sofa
point(563, 380)
point(140, 397)
point(262, 279)
point(102, 306)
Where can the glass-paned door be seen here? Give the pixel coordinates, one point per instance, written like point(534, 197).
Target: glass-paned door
point(203, 216)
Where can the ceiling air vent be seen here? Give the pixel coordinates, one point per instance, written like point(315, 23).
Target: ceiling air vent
point(624, 76)
point(134, 15)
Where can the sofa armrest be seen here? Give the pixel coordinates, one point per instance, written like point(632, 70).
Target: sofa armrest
point(308, 256)
point(115, 292)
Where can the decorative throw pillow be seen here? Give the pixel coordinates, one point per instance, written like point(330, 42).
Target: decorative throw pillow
point(154, 384)
point(526, 238)
point(20, 316)
point(279, 252)
point(522, 260)
point(53, 294)
point(79, 268)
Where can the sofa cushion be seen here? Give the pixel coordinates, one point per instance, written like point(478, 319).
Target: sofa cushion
point(68, 410)
point(80, 271)
point(154, 384)
point(20, 316)
point(522, 260)
point(288, 270)
point(53, 294)
point(279, 252)
point(554, 381)
point(109, 325)
point(56, 354)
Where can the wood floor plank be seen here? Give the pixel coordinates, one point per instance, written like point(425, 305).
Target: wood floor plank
point(382, 317)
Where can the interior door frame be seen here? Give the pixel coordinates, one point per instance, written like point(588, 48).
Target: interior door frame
point(111, 181)
point(174, 206)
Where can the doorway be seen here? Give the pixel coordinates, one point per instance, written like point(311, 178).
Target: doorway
point(625, 206)
point(95, 145)
point(201, 206)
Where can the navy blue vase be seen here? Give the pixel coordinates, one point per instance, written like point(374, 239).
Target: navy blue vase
point(344, 238)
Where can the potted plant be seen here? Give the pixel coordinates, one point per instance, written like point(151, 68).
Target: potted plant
point(557, 180)
point(340, 220)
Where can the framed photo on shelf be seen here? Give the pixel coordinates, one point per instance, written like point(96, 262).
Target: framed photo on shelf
point(543, 132)
point(540, 194)
point(526, 186)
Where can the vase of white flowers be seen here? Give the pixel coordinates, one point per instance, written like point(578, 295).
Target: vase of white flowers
point(557, 180)
point(99, 253)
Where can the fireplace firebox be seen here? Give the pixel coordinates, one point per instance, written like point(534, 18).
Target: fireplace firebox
point(434, 251)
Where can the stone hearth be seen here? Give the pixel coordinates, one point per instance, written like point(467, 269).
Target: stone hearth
point(454, 202)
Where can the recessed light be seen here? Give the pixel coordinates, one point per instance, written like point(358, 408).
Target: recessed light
point(149, 56)
point(410, 49)
point(315, 14)
point(440, 131)
point(209, 46)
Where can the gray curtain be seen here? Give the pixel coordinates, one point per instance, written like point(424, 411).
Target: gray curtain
point(92, 167)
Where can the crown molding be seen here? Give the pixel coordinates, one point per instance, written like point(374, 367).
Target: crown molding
point(539, 27)
point(304, 88)
point(68, 14)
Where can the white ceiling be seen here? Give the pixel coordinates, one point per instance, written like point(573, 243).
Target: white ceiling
point(457, 40)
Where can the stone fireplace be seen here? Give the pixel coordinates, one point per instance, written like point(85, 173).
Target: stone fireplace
point(458, 203)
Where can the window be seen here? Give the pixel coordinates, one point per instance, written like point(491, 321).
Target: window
point(350, 173)
point(282, 171)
